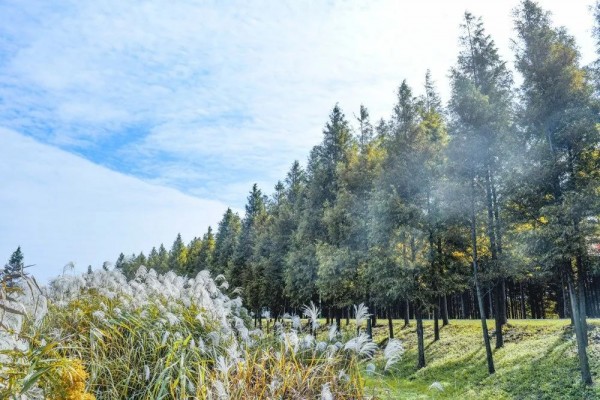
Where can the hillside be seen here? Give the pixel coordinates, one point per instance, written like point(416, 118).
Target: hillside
point(539, 361)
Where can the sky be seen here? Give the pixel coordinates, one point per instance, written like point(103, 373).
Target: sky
point(123, 123)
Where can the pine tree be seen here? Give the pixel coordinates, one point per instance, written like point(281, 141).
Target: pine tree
point(153, 259)
point(178, 256)
point(226, 241)
point(206, 252)
point(560, 122)
point(323, 184)
point(162, 264)
point(13, 270)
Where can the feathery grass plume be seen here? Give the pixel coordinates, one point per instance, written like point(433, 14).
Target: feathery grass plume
point(312, 313)
point(333, 332)
point(393, 353)
point(362, 346)
point(326, 392)
point(361, 313)
point(295, 322)
point(436, 386)
point(370, 369)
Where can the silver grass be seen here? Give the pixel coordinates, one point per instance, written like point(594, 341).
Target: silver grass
point(362, 346)
point(393, 353)
point(361, 313)
point(312, 313)
point(326, 392)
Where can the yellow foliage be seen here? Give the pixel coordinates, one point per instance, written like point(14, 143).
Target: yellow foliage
point(71, 385)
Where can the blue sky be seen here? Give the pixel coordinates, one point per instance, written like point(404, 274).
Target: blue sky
point(206, 97)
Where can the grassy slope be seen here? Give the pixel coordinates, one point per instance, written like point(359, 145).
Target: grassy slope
point(539, 361)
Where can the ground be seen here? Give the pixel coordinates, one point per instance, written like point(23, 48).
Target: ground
point(538, 361)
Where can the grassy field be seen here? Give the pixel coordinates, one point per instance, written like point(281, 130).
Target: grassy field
point(538, 361)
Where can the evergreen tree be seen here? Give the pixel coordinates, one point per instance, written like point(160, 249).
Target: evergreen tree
point(177, 260)
point(482, 109)
point(162, 264)
point(246, 270)
point(13, 270)
point(226, 241)
point(153, 259)
point(206, 252)
point(323, 183)
point(560, 123)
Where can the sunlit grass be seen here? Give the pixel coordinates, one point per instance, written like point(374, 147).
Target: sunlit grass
point(538, 361)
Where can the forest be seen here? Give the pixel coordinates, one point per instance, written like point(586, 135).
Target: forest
point(484, 208)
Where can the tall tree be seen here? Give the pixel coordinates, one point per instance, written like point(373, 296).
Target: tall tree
point(321, 192)
point(178, 256)
point(482, 106)
point(560, 121)
point(240, 271)
point(226, 241)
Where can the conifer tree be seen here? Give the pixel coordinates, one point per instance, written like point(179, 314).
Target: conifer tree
point(13, 270)
point(226, 241)
point(560, 122)
point(178, 256)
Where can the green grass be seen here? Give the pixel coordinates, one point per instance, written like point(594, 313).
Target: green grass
point(538, 361)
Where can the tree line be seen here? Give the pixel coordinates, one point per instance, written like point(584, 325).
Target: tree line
point(484, 207)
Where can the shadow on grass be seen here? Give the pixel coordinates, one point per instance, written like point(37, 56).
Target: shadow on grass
point(542, 365)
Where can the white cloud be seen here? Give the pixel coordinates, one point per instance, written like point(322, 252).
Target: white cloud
point(59, 208)
point(224, 93)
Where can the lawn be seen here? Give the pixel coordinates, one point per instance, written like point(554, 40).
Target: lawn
point(538, 361)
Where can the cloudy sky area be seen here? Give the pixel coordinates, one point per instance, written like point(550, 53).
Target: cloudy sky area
point(123, 123)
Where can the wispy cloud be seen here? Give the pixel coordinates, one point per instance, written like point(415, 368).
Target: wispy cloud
point(62, 208)
point(209, 96)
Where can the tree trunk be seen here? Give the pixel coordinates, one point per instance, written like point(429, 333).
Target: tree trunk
point(420, 339)
point(445, 310)
point(486, 338)
point(522, 295)
point(406, 313)
point(390, 324)
point(374, 316)
point(338, 319)
point(498, 317)
point(584, 365)
point(581, 294)
point(436, 324)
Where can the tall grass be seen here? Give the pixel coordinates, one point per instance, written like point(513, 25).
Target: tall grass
point(164, 337)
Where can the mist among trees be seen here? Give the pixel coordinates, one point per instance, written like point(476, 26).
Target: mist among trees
point(484, 207)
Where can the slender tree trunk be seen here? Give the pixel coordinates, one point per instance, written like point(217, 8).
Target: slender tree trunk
point(499, 315)
point(499, 248)
point(420, 337)
point(369, 329)
point(584, 365)
point(338, 319)
point(374, 316)
point(406, 313)
point(436, 324)
point(390, 323)
point(581, 294)
point(445, 310)
point(486, 338)
point(564, 295)
point(523, 309)
point(498, 318)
